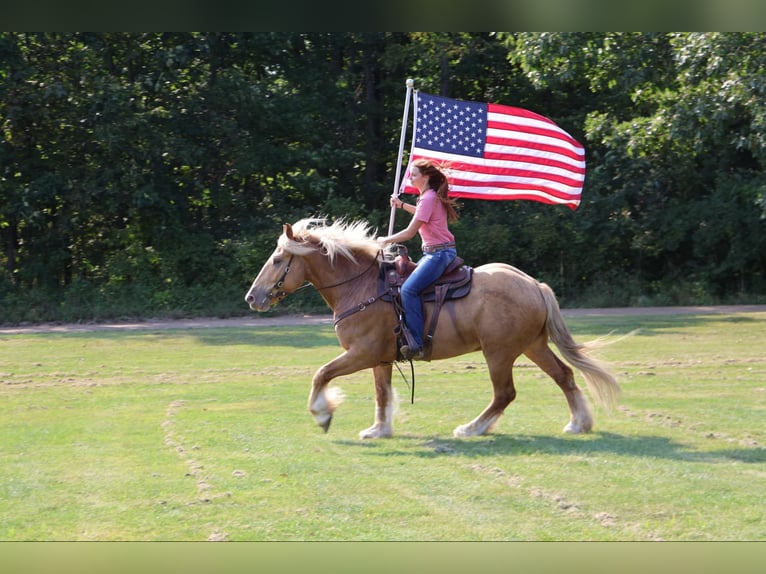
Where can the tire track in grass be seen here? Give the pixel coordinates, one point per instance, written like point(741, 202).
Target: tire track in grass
point(177, 443)
point(557, 500)
point(749, 440)
point(561, 502)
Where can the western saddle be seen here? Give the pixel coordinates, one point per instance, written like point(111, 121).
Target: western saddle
point(454, 283)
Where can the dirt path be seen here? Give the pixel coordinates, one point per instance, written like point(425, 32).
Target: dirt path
point(256, 320)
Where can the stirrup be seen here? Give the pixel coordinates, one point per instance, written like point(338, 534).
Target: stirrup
point(412, 354)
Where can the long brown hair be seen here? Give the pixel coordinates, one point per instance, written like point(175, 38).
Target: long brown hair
point(438, 182)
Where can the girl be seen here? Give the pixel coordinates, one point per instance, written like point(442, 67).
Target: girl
point(431, 214)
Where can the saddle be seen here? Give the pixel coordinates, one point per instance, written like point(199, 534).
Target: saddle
point(454, 283)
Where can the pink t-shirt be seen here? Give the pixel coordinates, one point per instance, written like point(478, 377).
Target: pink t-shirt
point(433, 213)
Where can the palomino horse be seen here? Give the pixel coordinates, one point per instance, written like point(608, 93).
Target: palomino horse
point(507, 314)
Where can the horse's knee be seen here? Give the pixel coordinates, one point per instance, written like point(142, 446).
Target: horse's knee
point(318, 396)
point(320, 379)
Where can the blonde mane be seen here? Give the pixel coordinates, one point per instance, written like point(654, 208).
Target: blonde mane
point(345, 238)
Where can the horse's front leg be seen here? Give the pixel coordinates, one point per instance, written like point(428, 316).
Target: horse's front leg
point(323, 400)
point(385, 404)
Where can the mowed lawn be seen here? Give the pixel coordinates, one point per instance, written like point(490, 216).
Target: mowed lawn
point(203, 434)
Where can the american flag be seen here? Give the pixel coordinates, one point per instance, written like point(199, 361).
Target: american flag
point(490, 151)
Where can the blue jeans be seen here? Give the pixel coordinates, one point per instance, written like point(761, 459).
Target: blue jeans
point(429, 269)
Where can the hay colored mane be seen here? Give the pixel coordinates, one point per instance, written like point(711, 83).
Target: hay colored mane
point(345, 238)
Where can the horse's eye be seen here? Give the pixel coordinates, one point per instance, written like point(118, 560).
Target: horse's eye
point(276, 261)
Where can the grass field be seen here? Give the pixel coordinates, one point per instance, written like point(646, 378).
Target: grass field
point(203, 434)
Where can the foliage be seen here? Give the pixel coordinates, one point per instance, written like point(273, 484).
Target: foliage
point(150, 173)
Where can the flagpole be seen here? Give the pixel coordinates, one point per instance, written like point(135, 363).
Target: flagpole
point(409, 83)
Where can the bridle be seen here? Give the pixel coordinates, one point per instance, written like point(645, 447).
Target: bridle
point(274, 292)
point(277, 293)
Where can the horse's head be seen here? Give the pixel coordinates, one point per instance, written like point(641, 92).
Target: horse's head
point(281, 274)
point(311, 250)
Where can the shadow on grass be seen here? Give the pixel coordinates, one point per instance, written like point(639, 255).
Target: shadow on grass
point(302, 337)
point(596, 443)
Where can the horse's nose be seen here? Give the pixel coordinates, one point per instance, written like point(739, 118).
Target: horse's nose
point(250, 299)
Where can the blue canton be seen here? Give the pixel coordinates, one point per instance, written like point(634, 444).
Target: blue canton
point(451, 126)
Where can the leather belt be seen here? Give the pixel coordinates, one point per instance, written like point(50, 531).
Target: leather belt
point(439, 247)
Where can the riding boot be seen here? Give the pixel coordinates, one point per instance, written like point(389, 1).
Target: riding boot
point(410, 350)
point(412, 353)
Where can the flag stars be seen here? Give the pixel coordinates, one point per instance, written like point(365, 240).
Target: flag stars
point(451, 126)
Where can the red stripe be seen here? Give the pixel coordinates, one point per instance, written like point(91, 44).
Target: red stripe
point(460, 179)
point(554, 131)
point(514, 111)
point(478, 165)
point(571, 202)
point(531, 144)
point(510, 185)
point(573, 181)
point(534, 160)
point(535, 131)
point(463, 180)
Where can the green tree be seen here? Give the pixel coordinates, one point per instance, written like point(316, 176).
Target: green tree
point(148, 173)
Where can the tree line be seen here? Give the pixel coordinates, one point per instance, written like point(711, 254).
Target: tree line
point(150, 173)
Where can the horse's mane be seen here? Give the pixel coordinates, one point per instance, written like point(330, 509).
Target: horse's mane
point(345, 238)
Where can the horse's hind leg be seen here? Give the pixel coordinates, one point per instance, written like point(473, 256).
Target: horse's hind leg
point(501, 373)
point(581, 417)
point(385, 404)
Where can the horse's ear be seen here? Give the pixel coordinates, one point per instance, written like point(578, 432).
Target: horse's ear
point(288, 229)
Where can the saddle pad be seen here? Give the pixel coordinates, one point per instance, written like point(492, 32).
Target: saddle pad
point(459, 282)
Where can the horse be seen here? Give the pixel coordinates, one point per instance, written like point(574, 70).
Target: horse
point(507, 313)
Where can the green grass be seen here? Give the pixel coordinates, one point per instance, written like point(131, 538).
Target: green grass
point(204, 434)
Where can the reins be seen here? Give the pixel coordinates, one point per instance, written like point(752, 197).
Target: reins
point(281, 294)
point(412, 371)
point(364, 304)
point(349, 280)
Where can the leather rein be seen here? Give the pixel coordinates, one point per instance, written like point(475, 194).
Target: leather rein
point(278, 294)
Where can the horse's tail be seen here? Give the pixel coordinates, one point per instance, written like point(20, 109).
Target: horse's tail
point(600, 381)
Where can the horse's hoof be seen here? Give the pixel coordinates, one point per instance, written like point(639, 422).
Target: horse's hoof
point(326, 425)
point(574, 428)
point(375, 432)
point(462, 431)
